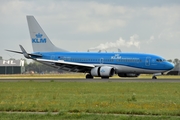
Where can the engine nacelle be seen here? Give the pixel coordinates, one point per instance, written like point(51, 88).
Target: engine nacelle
point(128, 74)
point(104, 71)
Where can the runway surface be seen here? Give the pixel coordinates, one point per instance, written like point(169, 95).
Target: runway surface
point(86, 80)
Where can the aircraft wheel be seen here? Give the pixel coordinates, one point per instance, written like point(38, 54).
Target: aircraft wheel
point(88, 76)
point(154, 77)
point(104, 77)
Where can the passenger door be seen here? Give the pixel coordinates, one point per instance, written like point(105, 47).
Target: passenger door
point(101, 60)
point(148, 60)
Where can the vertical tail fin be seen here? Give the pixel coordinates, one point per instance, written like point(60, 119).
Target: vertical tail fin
point(40, 41)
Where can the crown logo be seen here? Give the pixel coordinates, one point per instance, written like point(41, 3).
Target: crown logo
point(39, 35)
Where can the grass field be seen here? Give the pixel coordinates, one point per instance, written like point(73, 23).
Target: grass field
point(79, 116)
point(103, 98)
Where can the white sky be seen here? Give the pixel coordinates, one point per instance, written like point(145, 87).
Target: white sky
point(151, 26)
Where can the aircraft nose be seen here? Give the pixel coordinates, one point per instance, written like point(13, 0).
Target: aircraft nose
point(170, 66)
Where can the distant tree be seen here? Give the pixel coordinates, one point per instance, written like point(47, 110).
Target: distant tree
point(176, 61)
point(39, 67)
point(1, 57)
point(170, 60)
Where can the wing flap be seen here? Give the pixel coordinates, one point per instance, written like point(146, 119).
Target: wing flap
point(70, 66)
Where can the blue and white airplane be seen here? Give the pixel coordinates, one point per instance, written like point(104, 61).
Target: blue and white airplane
point(98, 64)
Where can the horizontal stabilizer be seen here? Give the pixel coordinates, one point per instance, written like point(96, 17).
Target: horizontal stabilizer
point(28, 55)
point(14, 51)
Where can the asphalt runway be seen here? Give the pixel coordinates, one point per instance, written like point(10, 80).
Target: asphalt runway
point(86, 80)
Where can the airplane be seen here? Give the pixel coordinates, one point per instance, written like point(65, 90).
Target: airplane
point(94, 64)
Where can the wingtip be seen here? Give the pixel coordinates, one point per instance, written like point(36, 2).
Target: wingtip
point(27, 16)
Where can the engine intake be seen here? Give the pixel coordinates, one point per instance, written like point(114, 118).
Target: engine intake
point(104, 71)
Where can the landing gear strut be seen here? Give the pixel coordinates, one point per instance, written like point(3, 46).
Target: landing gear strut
point(89, 76)
point(154, 77)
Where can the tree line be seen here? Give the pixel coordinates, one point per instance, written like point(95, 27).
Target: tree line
point(39, 68)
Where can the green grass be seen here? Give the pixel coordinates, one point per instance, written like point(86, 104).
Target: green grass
point(76, 97)
point(79, 116)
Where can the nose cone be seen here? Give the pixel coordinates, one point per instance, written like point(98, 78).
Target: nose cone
point(170, 66)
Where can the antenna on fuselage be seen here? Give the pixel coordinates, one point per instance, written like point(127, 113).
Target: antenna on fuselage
point(119, 50)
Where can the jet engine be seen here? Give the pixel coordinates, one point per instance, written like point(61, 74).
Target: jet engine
point(104, 71)
point(128, 74)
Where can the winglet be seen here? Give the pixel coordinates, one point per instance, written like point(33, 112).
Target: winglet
point(24, 52)
point(27, 55)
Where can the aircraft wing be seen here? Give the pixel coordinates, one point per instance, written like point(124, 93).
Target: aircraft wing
point(68, 66)
point(60, 64)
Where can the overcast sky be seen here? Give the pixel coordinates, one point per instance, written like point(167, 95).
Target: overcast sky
point(145, 26)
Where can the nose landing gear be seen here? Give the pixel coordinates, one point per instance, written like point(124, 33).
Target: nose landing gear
point(156, 74)
point(154, 77)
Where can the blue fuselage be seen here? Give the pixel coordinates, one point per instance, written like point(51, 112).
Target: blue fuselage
point(137, 62)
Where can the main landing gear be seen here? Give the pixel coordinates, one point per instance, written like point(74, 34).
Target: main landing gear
point(89, 76)
point(104, 77)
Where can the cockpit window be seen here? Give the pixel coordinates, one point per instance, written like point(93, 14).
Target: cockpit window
point(160, 60)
